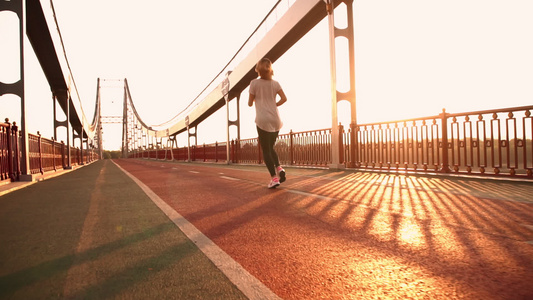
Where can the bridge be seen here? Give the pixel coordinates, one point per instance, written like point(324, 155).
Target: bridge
point(421, 207)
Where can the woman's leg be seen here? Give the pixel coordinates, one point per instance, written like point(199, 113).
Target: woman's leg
point(273, 154)
point(267, 141)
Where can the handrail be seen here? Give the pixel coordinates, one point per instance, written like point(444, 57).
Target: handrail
point(46, 155)
point(493, 111)
point(501, 146)
point(9, 165)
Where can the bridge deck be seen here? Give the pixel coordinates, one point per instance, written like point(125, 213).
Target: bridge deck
point(95, 233)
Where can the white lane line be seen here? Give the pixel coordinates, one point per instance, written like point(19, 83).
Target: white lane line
point(229, 178)
point(194, 172)
point(530, 227)
point(250, 286)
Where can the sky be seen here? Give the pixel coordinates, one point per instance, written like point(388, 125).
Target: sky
point(412, 59)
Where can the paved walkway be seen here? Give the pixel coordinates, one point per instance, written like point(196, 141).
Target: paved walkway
point(94, 233)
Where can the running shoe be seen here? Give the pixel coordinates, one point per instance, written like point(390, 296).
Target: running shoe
point(281, 173)
point(274, 183)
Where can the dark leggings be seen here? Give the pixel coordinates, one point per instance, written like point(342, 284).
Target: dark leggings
point(267, 141)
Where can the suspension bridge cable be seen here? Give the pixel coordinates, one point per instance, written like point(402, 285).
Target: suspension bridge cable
point(230, 61)
point(198, 96)
point(66, 58)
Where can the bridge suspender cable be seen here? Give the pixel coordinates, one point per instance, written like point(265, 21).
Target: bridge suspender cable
point(230, 61)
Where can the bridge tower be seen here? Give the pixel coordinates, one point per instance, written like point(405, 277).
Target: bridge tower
point(125, 128)
point(337, 151)
point(98, 110)
point(17, 88)
point(229, 123)
point(115, 118)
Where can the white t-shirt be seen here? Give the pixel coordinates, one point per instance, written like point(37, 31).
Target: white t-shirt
point(266, 112)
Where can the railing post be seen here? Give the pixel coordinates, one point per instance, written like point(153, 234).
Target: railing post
point(237, 150)
point(445, 168)
point(39, 141)
point(341, 144)
point(63, 154)
point(216, 151)
point(291, 147)
point(232, 151)
point(54, 153)
point(16, 152)
point(259, 154)
point(10, 156)
point(354, 145)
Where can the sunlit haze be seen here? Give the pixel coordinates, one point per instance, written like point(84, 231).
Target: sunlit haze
point(413, 58)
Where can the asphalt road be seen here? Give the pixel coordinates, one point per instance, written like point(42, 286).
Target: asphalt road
point(94, 234)
point(345, 235)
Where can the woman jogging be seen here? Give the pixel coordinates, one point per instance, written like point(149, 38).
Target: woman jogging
point(263, 92)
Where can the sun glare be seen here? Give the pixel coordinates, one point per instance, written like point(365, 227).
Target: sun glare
point(411, 234)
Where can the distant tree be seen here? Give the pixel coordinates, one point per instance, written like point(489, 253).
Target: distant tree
point(116, 154)
point(112, 154)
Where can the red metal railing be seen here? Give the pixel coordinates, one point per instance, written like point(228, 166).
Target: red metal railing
point(408, 144)
point(249, 151)
point(308, 148)
point(302, 148)
point(9, 164)
point(49, 155)
point(44, 154)
point(491, 142)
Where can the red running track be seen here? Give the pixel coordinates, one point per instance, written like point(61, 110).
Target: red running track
point(346, 235)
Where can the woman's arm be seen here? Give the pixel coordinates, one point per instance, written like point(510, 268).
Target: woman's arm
point(283, 98)
point(251, 99)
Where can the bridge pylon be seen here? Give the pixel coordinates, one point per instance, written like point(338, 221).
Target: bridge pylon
point(125, 129)
point(17, 88)
point(225, 90)
point(337, 151)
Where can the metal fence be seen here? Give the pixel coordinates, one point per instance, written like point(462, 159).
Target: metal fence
point(309, 148)
point(9, 165)
point(491, 142)
point(44, 154)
